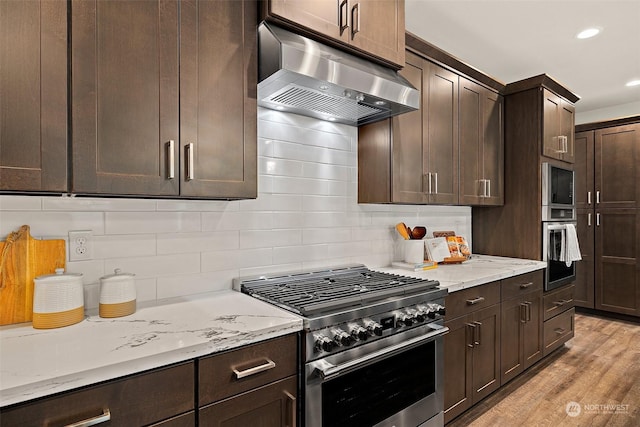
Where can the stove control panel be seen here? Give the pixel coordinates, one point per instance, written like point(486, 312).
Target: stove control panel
point(356, 332)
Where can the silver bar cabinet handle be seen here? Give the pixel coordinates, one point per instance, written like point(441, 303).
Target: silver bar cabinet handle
point(171, 160)
point(342, 15)
point(435, 176)
point(475, 301)
point(257, 369)
point(291, 400)
point(488, 188)
point(598, 219)
point(589, 219)
point(588, 197)
point(479, 329)
point(190, 171)
point(473, 334)
point(430, 183)
point(355, 23)
point(526, 285)
point(102, 418)
point(598, 197)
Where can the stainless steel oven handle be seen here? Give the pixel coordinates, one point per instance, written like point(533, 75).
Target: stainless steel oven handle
point(329, 370)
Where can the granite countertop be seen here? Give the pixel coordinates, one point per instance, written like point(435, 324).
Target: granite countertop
point(36, 363)
point(478, 270)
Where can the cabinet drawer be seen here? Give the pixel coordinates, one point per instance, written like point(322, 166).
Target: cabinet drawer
point(472, 299)
point(558, 301)
point(274, 359)
point(141, 399)
point(273, 405)
point(558, 330)
point(522, 284)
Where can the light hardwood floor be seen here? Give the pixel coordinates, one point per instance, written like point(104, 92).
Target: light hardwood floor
point(599, 366)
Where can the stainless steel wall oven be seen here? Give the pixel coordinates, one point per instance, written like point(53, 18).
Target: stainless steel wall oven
point(557, 273)
point(373, 345)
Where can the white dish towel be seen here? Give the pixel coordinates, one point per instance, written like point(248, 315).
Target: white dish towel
point(569, 248)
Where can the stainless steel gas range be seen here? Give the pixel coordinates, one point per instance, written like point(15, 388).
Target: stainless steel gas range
point(372, 349)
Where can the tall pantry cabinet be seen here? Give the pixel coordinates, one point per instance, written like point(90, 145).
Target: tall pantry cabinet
point(608, 201)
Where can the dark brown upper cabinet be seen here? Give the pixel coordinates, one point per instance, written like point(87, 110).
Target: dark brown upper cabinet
point(413, 158)
point(164, 98)
point(375, 27)
point(558, 123)
point(481, 145)
point(33, 96)
point(617, 167)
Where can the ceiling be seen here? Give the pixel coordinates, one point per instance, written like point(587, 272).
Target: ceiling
point(514, 39)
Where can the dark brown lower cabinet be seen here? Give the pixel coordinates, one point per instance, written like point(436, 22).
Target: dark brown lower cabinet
point(521, 334)
point(617, 261)
point(142, 399)
point(273, 405)
point(471, 359)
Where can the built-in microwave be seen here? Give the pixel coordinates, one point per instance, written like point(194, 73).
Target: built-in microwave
point(558, 202)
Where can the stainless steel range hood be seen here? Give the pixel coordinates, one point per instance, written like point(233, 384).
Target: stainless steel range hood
point(302, 76)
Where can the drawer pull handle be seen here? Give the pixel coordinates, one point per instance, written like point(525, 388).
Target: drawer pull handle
point(252, 371)
point(561, 302)
point(291, 400)
point(102, 418)
point(475, 301)
point(525, 285)
point(560, 331)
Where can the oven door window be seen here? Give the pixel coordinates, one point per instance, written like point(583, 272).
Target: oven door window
point(373, 393)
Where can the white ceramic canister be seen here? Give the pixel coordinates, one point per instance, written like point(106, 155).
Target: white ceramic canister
point(117, 294)
point(58, 300)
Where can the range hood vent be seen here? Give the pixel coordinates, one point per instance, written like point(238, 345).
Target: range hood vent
point(302, 76)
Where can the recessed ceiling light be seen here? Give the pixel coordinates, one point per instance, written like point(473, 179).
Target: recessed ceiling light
point(633, 83)
point(588, 33)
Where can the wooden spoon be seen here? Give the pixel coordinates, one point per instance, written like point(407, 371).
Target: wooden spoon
point(403, 230)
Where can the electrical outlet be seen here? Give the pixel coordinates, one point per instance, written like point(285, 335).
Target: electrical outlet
point(80, 245)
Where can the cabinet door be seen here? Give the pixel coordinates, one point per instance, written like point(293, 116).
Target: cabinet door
point(471, 184)
point(511, 350)
point(124, 97)
point(492, 146)
point(441, 131)
point(377, 27)
point(617, 167)
point(409, 183)
point(485, 365)
point(567, 130)
point(584, 284)
point(273, 405)
point(584, 157)
point(328, 17)
point(457, 367)
point(218, 109)
point(481, 145)
point(33, 96)
point(552, 145)
point(532, 335)
point(617, 261)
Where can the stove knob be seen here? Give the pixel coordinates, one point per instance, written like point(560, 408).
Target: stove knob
point(324, 343)
point(342, 338)
point(441, 310)
point(374, 328)
point(360, 332)
point(421, 316)
point(431, 313)
point(405, 319)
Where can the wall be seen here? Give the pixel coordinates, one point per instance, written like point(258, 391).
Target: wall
point(306, 215)
point(602, 114)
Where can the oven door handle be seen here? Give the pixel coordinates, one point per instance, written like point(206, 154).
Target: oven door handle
point(328, 370)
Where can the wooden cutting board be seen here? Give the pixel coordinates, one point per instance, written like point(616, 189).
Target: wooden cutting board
point(23, 258)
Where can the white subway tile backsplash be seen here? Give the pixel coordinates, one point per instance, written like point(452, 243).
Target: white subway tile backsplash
point(20, 203)
point(306, 216)
point(197, 242)
point(124, 245)
point(151, 222)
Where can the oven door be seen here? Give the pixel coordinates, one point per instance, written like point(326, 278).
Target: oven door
point(557, 272)
point(393, 381)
